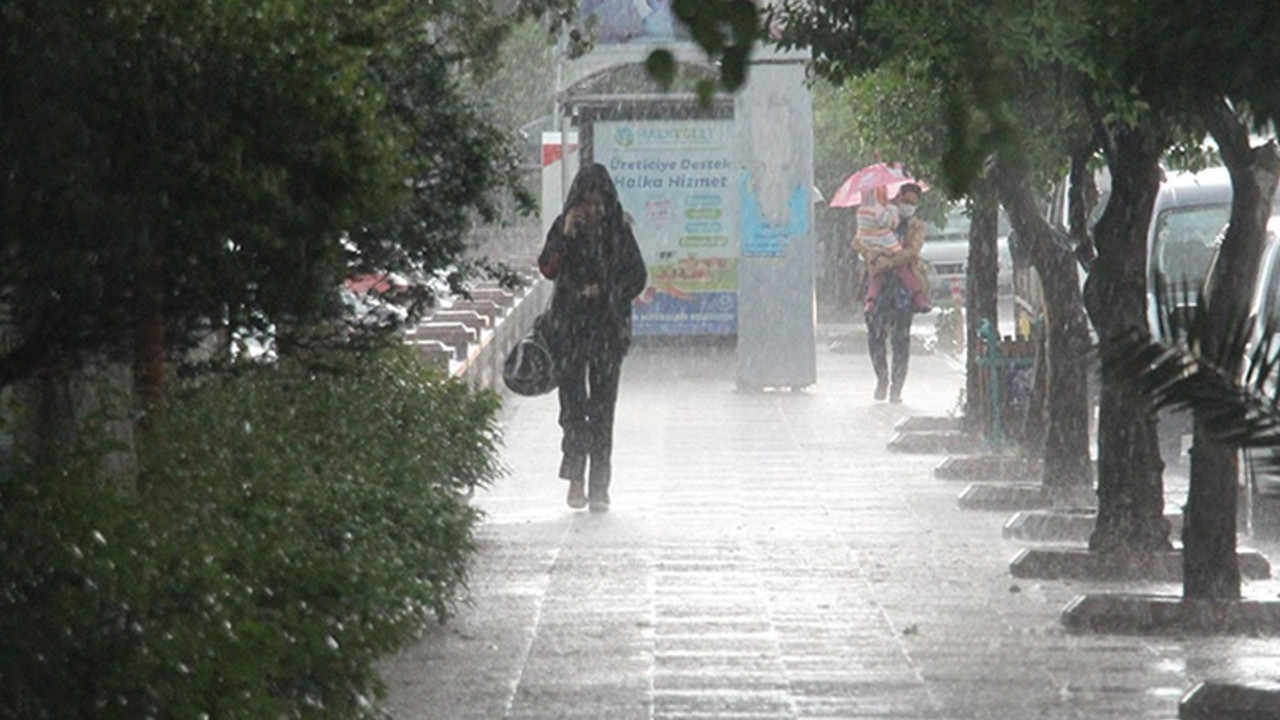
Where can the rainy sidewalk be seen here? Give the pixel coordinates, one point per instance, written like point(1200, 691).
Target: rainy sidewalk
point(768, 557)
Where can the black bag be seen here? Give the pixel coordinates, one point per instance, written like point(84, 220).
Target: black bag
point(900, 297)
point(532, 368)
point(895, 297)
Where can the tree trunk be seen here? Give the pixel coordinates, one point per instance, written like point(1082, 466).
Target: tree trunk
point(149, 366)
point(1130, 483)
point(981, 293)
point(46, 424)
point(60, 404)
point(1210, 567)
point(149, 334)
point(1068, 470)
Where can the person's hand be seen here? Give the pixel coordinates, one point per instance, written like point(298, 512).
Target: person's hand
point(575, 222)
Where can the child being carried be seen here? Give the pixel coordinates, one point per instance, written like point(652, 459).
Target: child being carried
point(877, 240)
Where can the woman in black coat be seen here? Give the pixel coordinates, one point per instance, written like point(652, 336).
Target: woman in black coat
point(592, 256)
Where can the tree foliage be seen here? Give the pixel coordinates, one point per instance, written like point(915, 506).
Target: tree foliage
point(291, 529)
point(218, 164)
point(1176, 54)
point(891, 114)
point(519, 86)
point(727, 30)
point(192, 154)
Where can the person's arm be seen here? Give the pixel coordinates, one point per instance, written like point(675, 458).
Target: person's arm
point(911, 246)
point(914, 242)
point(632, 275)
point(552, 256)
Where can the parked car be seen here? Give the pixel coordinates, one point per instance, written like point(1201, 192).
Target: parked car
point(1186, 223)
point(1189, 212)
point(946, 254)
point(1187, 218)
point(1028, 298)
point(1262, 466)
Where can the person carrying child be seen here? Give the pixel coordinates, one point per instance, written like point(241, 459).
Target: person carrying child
point(898, 287)
point(886, 244)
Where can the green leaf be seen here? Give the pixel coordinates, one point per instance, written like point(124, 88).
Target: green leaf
point(661, 66)
point(686, 10)
point(744, 18)
point(733, 67)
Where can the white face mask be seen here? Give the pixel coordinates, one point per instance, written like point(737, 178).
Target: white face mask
point(906, 211)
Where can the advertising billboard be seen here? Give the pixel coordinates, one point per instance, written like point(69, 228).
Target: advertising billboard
point(676, 178)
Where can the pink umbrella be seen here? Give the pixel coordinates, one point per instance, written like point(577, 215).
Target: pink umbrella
point(873, 176)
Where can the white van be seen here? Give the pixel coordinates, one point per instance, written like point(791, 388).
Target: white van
point(1186, 221)
point(1189, 211)
point(1187, 226)
point(1266, 293)
point(1261, 466)
point(946, 254)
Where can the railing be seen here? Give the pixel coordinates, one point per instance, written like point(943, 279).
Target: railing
point(470, 338)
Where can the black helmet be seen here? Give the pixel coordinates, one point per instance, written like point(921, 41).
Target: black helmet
point(529, 368)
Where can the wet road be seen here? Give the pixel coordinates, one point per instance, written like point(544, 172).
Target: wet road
point(768, 557)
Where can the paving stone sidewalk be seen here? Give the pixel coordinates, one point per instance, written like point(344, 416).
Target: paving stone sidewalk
point(768, 557)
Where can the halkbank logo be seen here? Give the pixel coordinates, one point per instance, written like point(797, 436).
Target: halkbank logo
point(633, 136)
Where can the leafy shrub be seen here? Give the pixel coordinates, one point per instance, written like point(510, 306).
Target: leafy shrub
point(290, 528)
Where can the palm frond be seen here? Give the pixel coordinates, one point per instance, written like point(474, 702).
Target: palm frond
point(1225, 376)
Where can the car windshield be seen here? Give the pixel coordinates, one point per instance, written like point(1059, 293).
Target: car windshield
point(1184, 241)
point(955, 226)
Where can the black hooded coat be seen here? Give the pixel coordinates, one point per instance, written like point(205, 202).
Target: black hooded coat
point(605, 256)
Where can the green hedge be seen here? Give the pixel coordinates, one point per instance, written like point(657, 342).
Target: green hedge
point(290, 529)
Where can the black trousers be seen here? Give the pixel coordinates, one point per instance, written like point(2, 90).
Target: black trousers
point(885, 329)
point(588, 396)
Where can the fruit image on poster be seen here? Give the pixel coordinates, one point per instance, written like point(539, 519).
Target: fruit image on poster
point(674, 177)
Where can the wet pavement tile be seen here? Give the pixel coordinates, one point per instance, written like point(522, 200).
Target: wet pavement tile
point(768, 556)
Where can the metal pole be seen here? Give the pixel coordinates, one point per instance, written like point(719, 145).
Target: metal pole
point(561, 118)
